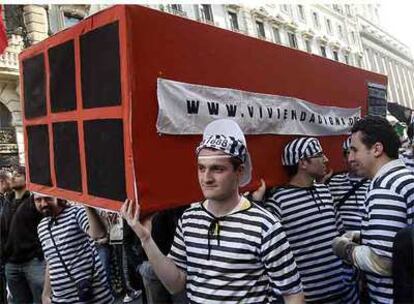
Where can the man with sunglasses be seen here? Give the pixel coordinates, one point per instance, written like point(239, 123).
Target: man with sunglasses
point(307, 214)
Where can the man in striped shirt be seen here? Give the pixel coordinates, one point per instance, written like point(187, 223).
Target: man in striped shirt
point(307, 214)
point(389, 204)
point(226, 248)
point(348, 191)
point(72, 259)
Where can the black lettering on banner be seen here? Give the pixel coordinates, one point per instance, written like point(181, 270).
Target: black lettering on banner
point(285, 114)
point(331, 120)
point(337, 121)
point(278, 113)
point(251, 110)
point(351, 121)
point(320, 121)
point(192, 106)
point(213, 108)
point(343, 121)
point(302, 116)
point(270, 112)
point(326, 121)
point(261, 112)
point(231, 110)
point(294, 116)
point(312, 119)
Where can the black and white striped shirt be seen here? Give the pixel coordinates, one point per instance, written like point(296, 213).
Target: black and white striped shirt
point(352, 210)
point(241, 257)
point(69, 230)
point(407, 156)
point(389, 203)
point(308, 218)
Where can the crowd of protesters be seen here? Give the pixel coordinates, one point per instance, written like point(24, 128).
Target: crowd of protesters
point(320, 238)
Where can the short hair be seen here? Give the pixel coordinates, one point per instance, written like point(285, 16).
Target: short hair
point(3, 175)
point(377, 129)
point(20, 170)
point(236, 162)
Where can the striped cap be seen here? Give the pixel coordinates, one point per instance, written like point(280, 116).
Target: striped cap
point(225, 135)
point(346, 145)
point(300, 148)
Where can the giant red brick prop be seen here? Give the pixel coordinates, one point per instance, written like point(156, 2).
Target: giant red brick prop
point(90, 104)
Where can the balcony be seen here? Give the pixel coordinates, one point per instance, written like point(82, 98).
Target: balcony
point(9, 60)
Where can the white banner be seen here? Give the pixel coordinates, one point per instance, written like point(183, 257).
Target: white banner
point(187, 108)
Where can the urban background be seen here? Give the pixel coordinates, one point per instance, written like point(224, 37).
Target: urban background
point(350, 34)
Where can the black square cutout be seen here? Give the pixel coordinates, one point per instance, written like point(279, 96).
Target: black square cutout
point(34, 86)
point(66, 153)
point(104, 151)
point(62, 77)
point(38, 149)
point(101, 80)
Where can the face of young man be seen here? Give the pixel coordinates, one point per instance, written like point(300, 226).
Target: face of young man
point(315, 166)
point(216, 175)
point(360, 156)
point(18, 181)
point(46, 205)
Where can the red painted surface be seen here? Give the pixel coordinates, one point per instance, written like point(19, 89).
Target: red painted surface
point(154, 44)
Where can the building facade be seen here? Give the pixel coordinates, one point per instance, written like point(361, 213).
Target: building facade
point(349, 34)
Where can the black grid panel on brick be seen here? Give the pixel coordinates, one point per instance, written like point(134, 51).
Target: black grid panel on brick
point(62, 77)
point(38, 154)
point(66, 156)
point(104, 153)
point(100, 67)
point(34, 86)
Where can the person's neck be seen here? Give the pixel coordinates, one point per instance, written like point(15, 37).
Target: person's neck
point(301, 179)
point(223, 207)
point(18, 194)
point(381, 161)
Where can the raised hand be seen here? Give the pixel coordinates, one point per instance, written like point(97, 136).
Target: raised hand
point(130, 211)
point(260, 192)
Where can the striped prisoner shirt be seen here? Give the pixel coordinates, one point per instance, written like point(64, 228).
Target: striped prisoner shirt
point(389, 203)
point(407, 156)
point(69, 230)
point(241, 257)
point(352, 210)
point(308, 218)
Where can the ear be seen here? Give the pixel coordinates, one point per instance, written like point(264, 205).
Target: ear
point(302, 164)
point(377, 149)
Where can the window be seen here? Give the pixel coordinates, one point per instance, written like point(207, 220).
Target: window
point(276, 35)
point(234, 24)
point(348, 9)
point(301, 12)
point(70, 19)
point(206, 13)
point(346, 59)
point(335, 54)
point(308, 46)
point(260, 29)
point(323, 50)
point(315, 18)
point(359, 63)
point(340, 32)
point(328, 26)
point(292, 40)
point(353, 37)
point(337, 8)
point(285, 8)
point(176, 7)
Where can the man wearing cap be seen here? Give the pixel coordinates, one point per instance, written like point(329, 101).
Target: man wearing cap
point(307, 214)
point(74, 272)
point(348, 191)
point(226, 249)
point(389, 204)
point(21, 250)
